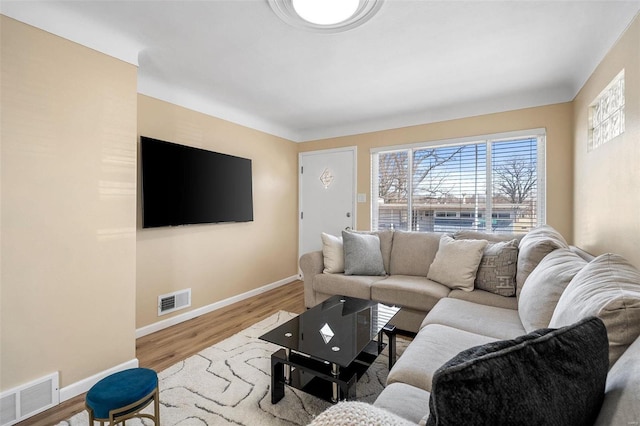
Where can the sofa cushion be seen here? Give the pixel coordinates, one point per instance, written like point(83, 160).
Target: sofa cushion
point(332, 254)
point(433, 346)
point(362, 254)
point(485, 298)
point(534, 246)
point(607, 287)
point(544, 286)
point(497, 269)
point(554, 377)
point(456, 262)
point(405, 290)
point(499, 323)
point(345, 285)
point(407, 401)
point(413, 252)
point(621, 404)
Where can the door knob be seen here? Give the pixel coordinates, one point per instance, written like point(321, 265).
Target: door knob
point(348, 214)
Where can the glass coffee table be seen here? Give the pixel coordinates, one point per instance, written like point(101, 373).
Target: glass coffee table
point(329, 347)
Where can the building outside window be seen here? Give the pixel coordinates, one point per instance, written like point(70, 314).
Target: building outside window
point(492, 183)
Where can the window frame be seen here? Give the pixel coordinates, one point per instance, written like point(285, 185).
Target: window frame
point(487, 139)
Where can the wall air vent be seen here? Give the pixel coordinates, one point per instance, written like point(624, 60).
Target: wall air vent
point(27, 400)
point(171, 302)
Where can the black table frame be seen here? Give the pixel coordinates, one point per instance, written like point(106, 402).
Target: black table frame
point(323, 379)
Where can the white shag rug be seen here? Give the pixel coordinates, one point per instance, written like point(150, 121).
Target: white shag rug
point(229, 384)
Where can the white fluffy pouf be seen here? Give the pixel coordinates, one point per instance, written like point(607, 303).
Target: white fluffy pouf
point(353, 413)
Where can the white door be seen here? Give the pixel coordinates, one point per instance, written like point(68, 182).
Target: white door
point(327, 195)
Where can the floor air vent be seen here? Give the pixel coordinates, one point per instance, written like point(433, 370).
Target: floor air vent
point(25, 401)
point(168, 303)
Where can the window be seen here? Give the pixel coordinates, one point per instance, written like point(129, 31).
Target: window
point(606, 114)
point(458, 184)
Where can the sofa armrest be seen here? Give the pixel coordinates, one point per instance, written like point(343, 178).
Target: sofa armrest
point(311, 264)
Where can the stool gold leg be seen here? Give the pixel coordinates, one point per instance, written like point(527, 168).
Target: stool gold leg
point(157, 407)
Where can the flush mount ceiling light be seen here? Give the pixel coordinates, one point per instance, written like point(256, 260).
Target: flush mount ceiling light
point(325, 16)
point(325, 12)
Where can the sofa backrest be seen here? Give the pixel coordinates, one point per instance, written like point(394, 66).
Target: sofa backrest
point(386, 241)
point(413, 252)
point(544, 287)
point(607, 287)
point(533, 247)
point(492, 237)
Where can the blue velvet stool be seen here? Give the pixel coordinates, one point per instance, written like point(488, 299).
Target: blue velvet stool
point(123, 395)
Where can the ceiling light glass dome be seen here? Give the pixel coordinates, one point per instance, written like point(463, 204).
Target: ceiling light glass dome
point(328, 16)
point(325, 12)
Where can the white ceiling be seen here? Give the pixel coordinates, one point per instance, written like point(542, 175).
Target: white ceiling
point(416, 61)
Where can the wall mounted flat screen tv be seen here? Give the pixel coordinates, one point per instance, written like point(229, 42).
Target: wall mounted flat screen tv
point(182, 185)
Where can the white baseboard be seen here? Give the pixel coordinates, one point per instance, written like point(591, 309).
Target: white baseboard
point(161, 325)
point(84, 385)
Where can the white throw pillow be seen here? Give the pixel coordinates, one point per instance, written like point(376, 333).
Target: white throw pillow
point(333, 253)
point(457, 262)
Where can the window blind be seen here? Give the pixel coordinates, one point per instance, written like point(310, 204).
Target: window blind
point(494, 184)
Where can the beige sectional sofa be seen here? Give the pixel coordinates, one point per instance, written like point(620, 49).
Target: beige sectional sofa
point(407, 257)
point(568, 294)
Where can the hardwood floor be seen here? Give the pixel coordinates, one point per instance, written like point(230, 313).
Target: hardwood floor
point(166, 347)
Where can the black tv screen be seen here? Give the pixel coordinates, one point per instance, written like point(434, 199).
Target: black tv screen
point(182, 185)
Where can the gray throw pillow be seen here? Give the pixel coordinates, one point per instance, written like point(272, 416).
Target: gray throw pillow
point(362, 255)
point(497, 270)
point(548, 377)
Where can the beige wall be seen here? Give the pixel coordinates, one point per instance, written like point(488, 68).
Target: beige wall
point(607, 179)
point(557, 119)
point(68, 144)
point(218, 261)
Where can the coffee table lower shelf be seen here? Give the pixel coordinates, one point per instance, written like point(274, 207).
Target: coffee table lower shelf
point(316, 377)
